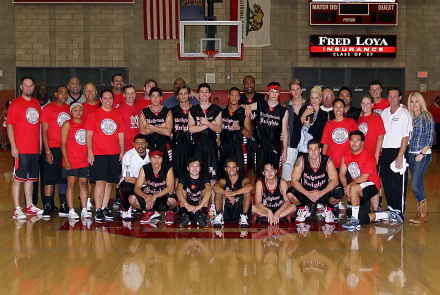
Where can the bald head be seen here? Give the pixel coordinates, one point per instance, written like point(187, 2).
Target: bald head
point(74, 87)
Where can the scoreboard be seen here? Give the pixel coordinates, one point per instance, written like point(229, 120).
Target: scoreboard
point(361, 13)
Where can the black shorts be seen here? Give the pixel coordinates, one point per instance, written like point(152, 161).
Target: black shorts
point(25, 168)
point(159, 205)
point(266, 154)
point(369, 190)
point(305, 201)
point(53, 172)
point(233, 212)
point(207, 151)
point(105, 168)
point(181, 155)
point(78, 172)
point(251, 147)
point(231, 150)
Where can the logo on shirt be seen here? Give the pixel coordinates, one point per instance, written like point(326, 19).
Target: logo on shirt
point(363, 127)
point(340, 135)
point(377, 112)
point(108, 126)
point(63, 117)
point(353, 169)
point(80, 136)
point(32, 115)
point(134, 120)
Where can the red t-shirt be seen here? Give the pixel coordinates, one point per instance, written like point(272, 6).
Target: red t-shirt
point(335, 135)
point(105, 126)
point(118, 100)
point(380, 106)
point(24, 116)
point(88, 109)
point(362, 163)
point(372, 127)
point(130, 115)
point(435, 111)
point(55, 116)
point(76, 145)
point(142, 103)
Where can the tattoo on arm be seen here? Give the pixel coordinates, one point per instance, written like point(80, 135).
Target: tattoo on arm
point(297, 162)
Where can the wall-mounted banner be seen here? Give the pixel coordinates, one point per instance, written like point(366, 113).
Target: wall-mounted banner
point(364, 46)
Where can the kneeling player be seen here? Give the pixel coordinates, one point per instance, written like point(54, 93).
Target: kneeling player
point(154, 189)
point(313, 179)
point(232, 196)
point(271, 202)
point(362, 168)
point(193, 192)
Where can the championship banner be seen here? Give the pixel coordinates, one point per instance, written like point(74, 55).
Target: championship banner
point(255, 15)
point(161, 19)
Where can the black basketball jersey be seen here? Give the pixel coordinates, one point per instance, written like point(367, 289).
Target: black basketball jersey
point(211, 113)
point(272, 199)
point(258, 97)
point(194, 188)
point(270, 125)
point(230, 187)
point(155, 183)
point(229, 134)
point(315, 179)
point(156, 119)
point(180, 125)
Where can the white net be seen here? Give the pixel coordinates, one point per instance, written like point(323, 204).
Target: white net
point(210, 56)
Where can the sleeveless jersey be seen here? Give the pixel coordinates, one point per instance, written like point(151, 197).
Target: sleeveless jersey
point(211, 113)
point(272, 199)
point(76, 145)
point(234, 187)
point(193, 188)
point(155, 183)
point(229, 134)
point(180, 125)
point(156, 119)
point(270, 122)
point(315, 179)
point(258, 97)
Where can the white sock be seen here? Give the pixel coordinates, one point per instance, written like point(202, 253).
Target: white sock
point(355, 212)
point(381, 215)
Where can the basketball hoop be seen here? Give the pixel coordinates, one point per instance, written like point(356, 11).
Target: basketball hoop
point(210, 56)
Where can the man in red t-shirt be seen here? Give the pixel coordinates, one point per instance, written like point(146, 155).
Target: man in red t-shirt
point(376, 93)
point(117, 88)
point(105, 145)
point(146, 101)
point(361, 165)
point(53, 118)
point(130, 114)
point(24, 135)
point(91, 103)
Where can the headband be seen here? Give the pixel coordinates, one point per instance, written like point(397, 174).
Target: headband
point(74, 105)
point(273, 87)
point(156, 153)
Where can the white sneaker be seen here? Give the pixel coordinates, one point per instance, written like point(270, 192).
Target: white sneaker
point(243, 220)
point(218, 220)
point(126, 214)
point(73, 214)
point(33, 210)
point(320, 208)
point(329, 216)
point(18, 213)
point(89, 205)
point(303, 213)
point(85, 213)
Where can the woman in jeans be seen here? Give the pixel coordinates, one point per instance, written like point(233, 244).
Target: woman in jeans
point(420, 155)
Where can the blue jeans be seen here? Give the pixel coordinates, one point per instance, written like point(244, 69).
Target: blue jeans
point(418, 170)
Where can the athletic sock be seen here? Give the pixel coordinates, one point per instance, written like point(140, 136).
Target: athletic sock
point(63, 199)
point(47, 200)
point(381, 215)
point(355, 212)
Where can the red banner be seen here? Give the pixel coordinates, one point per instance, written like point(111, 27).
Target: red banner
point(161, 19)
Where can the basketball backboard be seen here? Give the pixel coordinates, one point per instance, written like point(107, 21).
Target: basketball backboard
point(199, 36)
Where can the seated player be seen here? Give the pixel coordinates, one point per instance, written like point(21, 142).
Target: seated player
point(232, 196)
point(193, 192)
point(153, 190)
point(362, 168)
point(132, 162)
point(313, 179)
point(271, 202)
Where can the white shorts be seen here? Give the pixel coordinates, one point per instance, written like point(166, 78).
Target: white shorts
point(288, 165)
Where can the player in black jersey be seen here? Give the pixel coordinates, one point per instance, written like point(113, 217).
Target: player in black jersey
point(204, 122)
point(313, 179)
point(236, 130)
point(156, 122)
point(182, 141)
point(232, 196)
point(248, 97)
point(193, 192)
point(272, 125)
point(271, 202)
point(154, 188)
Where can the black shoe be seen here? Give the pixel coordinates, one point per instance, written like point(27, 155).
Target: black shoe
point(202, 220)
point(47, 211)
point(64, 210)
point(117, 202)
point(335, 211)
point(99, 215)
point(313, 209)
point(184, 221)
point(54, 208)
point(348, 211)
point(108, 214)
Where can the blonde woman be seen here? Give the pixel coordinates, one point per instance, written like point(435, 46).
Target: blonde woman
point(420, 155)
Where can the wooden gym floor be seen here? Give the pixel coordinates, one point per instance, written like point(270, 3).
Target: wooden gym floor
point(64, 257)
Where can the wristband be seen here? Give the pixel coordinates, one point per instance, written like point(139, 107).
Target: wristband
point(421, 154)
point(49, 152)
